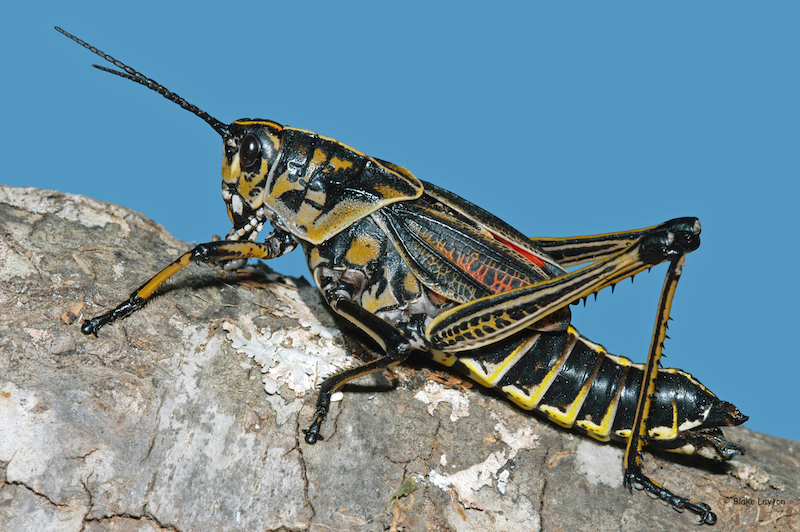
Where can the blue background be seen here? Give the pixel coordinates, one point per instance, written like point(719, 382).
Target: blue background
point(563, 120)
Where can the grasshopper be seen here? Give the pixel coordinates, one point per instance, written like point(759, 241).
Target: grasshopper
point(418, 268)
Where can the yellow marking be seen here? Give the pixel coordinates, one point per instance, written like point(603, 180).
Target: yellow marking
point(342, 215)
point(363, 249)
point(275, 140)
point(269, 123)
point(410, 283)
point(689, 425)
point(593, 346)
point(519, 397)
point(476, 376)
point(283, 184)
point(307, 216)
point(252, 186)
point(675, 371)
point(566, 418)
point(316, 161)
point(557, 416)
point(339, 164)
point(445, 359)
point(387, 191)
point(623, 433)
point(316, 196)
point(490, 380)
point(530, 400)
point(602, 431)
point(666, 433)
point(624, 361)
point(314, 259)
point(373, 303)
point(161, 277)
point(230, 173)
point(686, 449)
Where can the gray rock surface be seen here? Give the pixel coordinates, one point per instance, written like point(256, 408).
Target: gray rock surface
point(164, 421)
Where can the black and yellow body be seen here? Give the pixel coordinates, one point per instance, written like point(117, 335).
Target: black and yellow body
point(418, 268)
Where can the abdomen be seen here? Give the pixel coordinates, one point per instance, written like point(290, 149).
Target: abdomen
point(578, 384)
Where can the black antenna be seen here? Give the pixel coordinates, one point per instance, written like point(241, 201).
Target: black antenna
point(140, 78)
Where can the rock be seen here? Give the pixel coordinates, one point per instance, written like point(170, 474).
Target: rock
point(164, 422)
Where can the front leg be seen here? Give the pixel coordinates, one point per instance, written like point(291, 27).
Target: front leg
point(394, 344)
point(276, 244)
point(486, 320)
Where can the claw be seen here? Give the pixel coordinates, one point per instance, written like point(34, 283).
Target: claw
point(634, 478)
point(312, 432)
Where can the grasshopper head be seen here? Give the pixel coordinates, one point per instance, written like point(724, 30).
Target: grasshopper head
point(251, 151)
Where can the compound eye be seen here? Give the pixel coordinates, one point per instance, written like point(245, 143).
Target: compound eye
point(249, 151)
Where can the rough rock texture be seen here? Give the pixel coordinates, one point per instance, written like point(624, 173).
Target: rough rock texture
point(163, 422)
